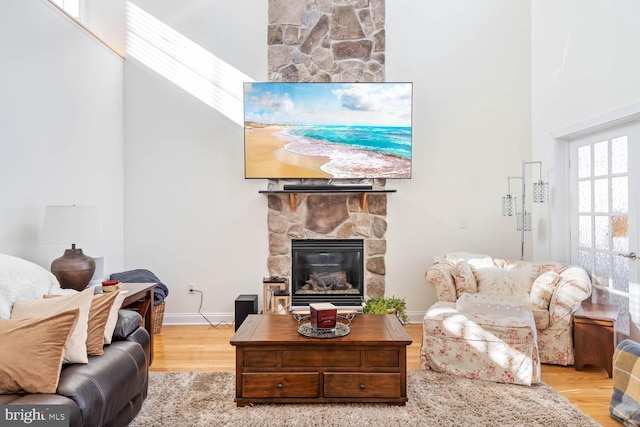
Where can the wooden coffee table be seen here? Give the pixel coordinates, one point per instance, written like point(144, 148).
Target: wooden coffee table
point(275, 364)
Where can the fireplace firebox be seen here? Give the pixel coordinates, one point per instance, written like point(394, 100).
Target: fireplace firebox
point(327, 270)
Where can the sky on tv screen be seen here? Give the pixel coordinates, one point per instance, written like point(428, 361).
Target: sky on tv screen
point(357, 104)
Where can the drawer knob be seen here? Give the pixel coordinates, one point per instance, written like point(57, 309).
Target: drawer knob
point(280, 386)
point(361, 386)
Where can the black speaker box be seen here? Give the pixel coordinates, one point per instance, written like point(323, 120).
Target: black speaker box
point(245, 305)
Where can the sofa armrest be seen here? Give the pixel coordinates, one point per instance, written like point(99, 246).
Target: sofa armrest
point(440, 278)
point(128, 322)
point(574, 287)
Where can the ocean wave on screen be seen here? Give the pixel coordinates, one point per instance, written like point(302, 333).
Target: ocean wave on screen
point(349, 160)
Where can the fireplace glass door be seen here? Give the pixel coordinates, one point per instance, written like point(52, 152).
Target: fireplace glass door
point(327, 270)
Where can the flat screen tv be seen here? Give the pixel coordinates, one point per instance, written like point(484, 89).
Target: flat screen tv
point(327, 130)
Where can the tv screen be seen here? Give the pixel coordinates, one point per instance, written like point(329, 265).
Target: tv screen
point(327, 130)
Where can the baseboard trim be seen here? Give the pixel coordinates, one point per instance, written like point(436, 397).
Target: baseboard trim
point(228, 318)
point(197, 319)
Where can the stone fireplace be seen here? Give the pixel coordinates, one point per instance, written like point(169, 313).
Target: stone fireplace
point(324, 41)
point(329, 216)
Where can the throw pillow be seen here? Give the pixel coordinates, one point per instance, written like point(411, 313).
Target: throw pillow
point(543, 288)
point(76, 348)
point(98, 316)
point(33, 360)
point(513, 282)
point(113, 315)
point(464, 279)
point(22, 279)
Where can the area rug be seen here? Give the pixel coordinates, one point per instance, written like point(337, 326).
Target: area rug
point(206, 399)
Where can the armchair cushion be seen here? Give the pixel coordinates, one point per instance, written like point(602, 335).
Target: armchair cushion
point(464, 279)
point(128, 322)
point(506, 281)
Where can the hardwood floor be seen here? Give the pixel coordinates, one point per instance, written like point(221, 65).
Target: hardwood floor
point(206, 348)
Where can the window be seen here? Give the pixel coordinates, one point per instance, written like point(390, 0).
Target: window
point(72, 7)
point(603, 217)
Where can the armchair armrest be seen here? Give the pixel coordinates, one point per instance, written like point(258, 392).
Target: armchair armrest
point(574, 287)
point(440, 278)
point(128, 322)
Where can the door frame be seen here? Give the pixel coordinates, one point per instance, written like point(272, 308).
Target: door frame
point(560, 181)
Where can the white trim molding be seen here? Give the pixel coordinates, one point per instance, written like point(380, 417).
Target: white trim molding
point(559, 243)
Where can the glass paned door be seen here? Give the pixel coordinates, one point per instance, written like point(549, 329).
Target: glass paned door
point(604, 219)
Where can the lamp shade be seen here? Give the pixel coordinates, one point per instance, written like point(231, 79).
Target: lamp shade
point(71, 225)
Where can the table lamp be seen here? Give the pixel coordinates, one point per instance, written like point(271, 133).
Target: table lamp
point(72, 224)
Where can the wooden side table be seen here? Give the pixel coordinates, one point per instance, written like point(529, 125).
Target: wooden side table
point(594, 335)
point(140, 299)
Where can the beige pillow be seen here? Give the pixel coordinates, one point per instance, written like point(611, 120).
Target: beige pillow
point(98, 316)
point(33, 360)
point(76, 348)
point(511, 282)
point(464, 279)
point(113, 315)
point(543, 288)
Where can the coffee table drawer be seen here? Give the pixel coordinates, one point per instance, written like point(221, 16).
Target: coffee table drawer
point(280, 385)
point(321, 358)
point(260, 358)
point(361, 385)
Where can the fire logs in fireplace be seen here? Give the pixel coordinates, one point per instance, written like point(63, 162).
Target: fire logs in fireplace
point(327, 270)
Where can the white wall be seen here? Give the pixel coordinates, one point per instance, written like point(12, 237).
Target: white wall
point(107, 20)
point(470, 65)
point(187, 200)
point(61, 130)
point(585, 64)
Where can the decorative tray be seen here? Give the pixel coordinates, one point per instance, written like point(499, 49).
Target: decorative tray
point(342, 328)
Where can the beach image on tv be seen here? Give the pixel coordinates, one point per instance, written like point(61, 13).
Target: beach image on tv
point(327, 130)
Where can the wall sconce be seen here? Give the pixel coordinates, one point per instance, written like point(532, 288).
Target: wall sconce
point(510, 206)
point(72, 224)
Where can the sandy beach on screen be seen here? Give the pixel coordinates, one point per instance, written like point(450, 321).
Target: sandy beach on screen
point(267, 158)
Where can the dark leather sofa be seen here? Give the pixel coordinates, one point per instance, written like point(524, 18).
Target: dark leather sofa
point(110, 389)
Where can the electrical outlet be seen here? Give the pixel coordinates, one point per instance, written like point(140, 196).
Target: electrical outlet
point(191, 287)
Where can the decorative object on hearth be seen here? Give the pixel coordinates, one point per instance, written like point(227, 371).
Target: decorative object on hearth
point(272, 286)
point(387, 305)
point(510, 205)
point(281, 301)
point(72, 224)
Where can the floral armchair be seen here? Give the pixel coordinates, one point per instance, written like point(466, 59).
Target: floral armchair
point(552, 291)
